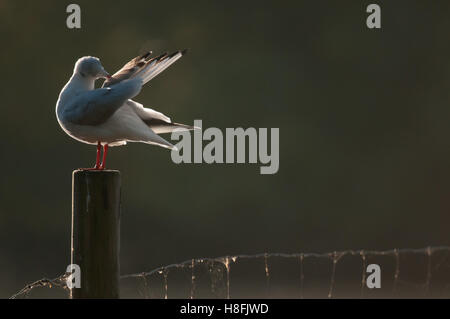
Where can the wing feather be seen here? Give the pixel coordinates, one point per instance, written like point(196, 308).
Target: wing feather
point(144, 67)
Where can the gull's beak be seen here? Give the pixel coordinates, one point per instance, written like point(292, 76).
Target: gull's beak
point(104, 74)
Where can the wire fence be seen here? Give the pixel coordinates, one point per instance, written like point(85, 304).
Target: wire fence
point(405, 273)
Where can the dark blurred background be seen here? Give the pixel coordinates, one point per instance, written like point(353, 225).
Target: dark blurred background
point(363, 117)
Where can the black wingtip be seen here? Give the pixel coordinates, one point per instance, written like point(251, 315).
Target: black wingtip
point(162, 56)
point(183, 52)
point(173, 54)
point(146, 55)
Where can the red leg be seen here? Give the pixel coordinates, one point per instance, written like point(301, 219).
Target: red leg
point(105, 152)
point(97, 161)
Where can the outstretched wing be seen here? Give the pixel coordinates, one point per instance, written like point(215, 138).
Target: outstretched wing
point(96, 106)
point(144, 67)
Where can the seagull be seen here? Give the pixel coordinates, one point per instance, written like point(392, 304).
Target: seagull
point(108, 116)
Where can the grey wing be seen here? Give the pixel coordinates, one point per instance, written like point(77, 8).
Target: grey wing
point(129, 69)
point(144, 67)
point(97, 106)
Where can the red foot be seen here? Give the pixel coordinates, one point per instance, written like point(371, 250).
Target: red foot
point(91, 169)
point(98, 166)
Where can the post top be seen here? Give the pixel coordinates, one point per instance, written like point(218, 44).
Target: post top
point(96, 172)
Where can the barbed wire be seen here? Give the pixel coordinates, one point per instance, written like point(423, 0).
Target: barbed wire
point(227, 261)
point(59, 282)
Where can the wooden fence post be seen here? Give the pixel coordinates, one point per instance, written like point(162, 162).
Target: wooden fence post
point(96, 232)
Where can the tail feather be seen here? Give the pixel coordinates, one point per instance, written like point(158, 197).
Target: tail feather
point(161, 127)
point(163, 143)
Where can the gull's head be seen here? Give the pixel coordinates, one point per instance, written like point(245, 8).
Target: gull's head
point(90, 67)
